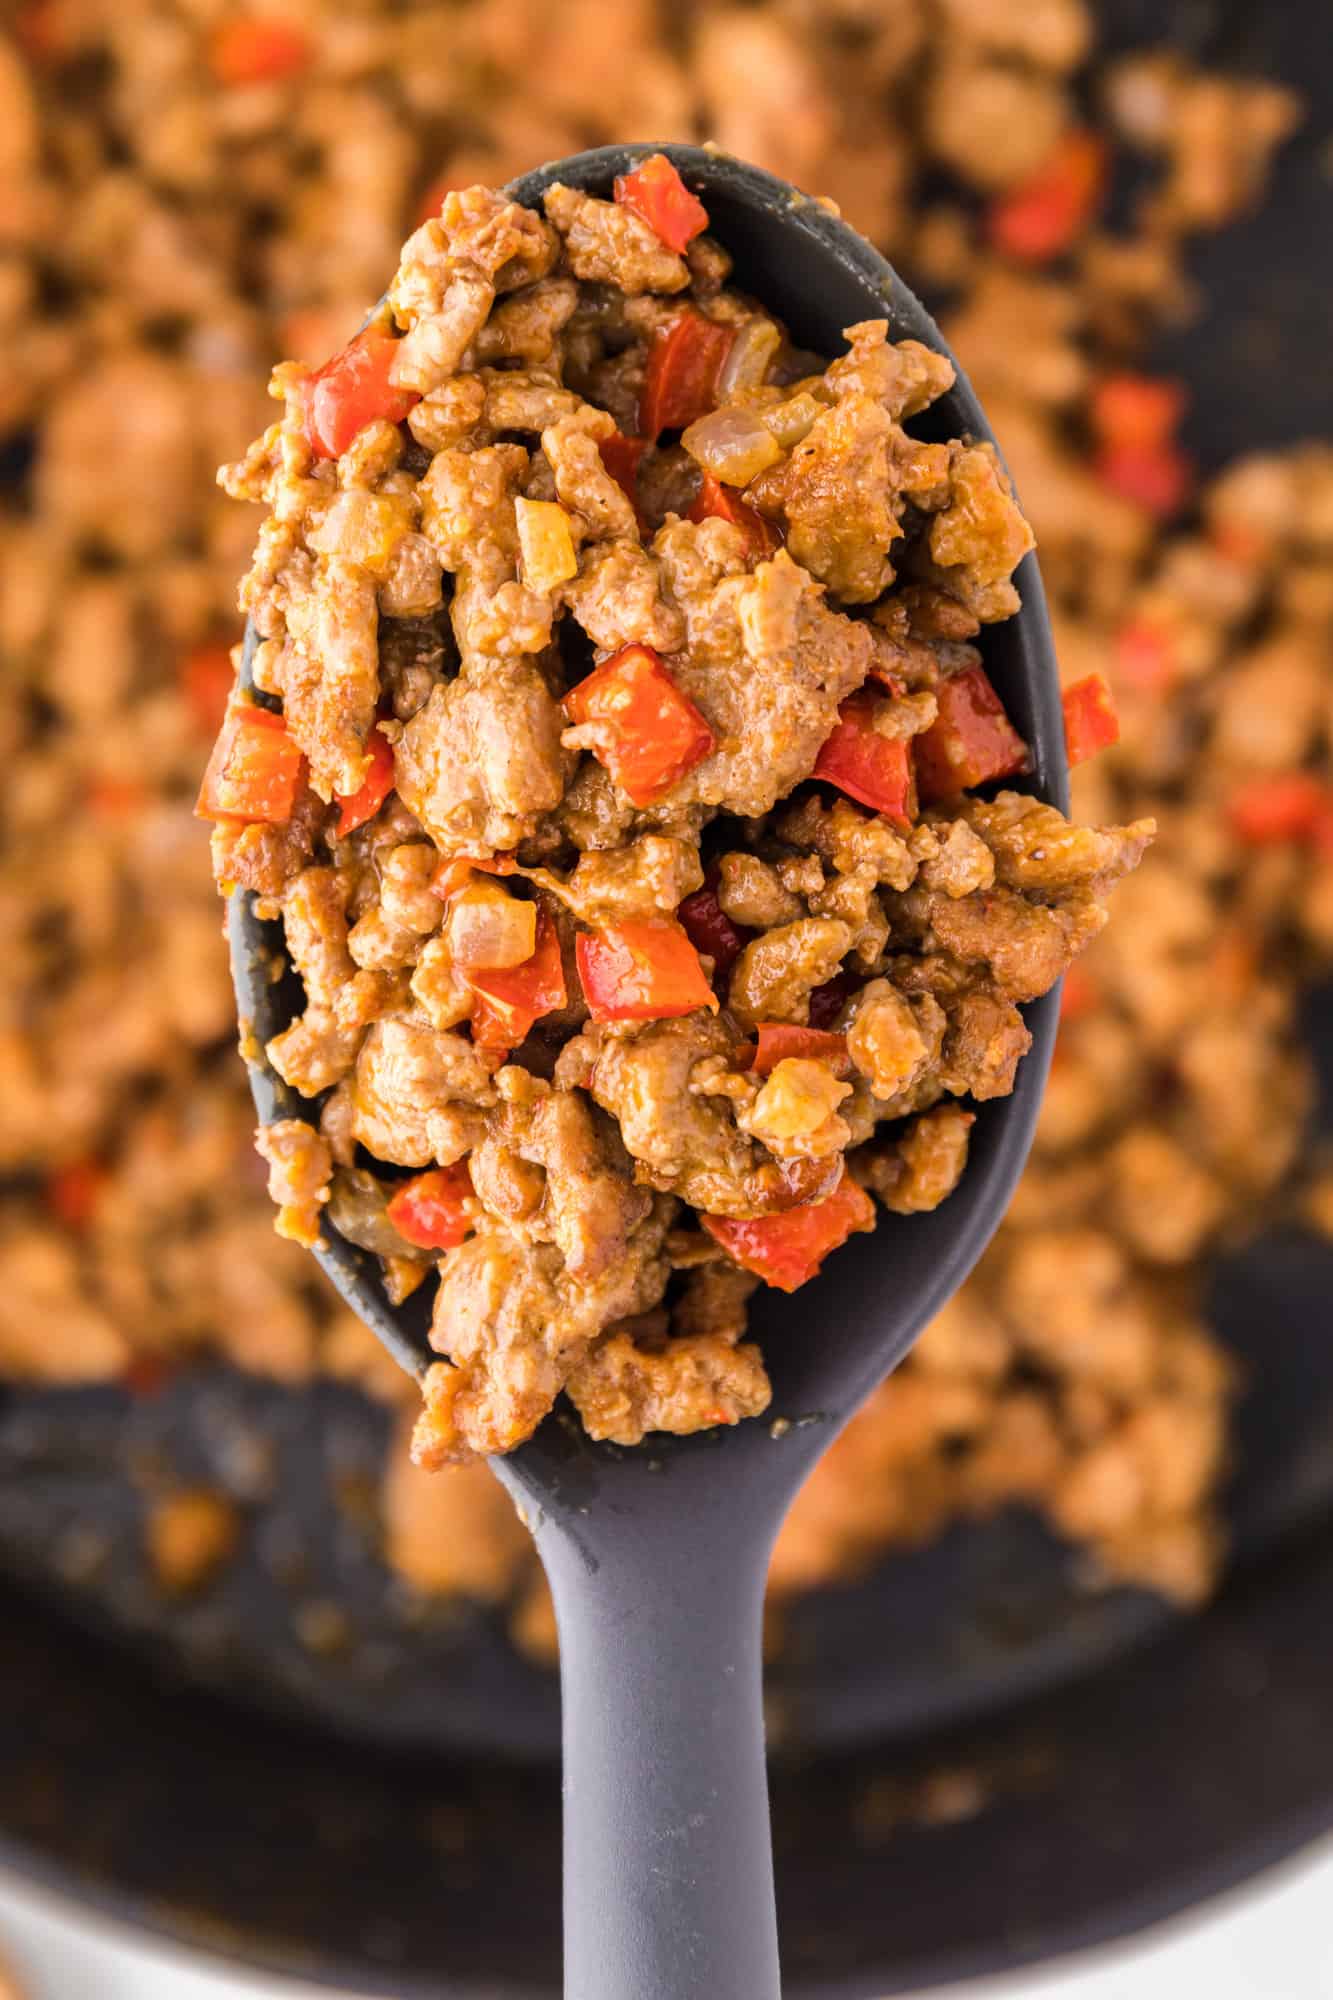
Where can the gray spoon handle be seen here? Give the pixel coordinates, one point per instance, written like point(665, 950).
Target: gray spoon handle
point(668, 1850)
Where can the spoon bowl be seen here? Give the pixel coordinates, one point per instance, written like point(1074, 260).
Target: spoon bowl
point(657, 1556)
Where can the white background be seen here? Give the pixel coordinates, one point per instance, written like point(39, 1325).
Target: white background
point(1271, 1941)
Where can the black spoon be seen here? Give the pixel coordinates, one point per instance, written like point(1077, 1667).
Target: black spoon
point(657, 1557)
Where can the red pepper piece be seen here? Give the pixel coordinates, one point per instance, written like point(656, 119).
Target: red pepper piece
point(148, 1375)
point(1080, 994)
point(1290, 806)
point(374, 789)
point(1240, 542)
point(257, 51)
point(255, 770)
point(684, 362)
point(709, 928)
point(116, 798)
point(41, 31)
point(72, 1192)
point(353, 390)
point(207, 679)
point(641, 972)
point(621, 456)
point(1157, 477)
point(649, 734)
point(1145, 657)
point(970, 742)
point(511, 1000)
point(778, 1041)
point(1041, 218)
point(875, 769)
point(1091, 723)
point(656, 193)
point(430, 1210)
point(715, 501)
point(788, 1248)
point(1136, 411)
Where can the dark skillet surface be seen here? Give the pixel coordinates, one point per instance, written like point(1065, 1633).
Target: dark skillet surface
point(1179, 1766)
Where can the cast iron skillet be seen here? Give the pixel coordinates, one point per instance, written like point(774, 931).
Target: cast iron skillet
point(205, 1774)
point(657, 1557)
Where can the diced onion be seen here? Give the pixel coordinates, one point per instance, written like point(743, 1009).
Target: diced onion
point(793, 418)
point(363, 528)
point(546, 544)
point(734, 444)
point(487, 927)
point(357, 1204)
point(751, 356)
point(799, 1097)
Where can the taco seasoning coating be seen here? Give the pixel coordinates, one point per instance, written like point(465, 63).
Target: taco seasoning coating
point(614, 780)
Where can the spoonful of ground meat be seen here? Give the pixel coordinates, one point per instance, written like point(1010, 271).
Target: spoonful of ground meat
point(640, 814)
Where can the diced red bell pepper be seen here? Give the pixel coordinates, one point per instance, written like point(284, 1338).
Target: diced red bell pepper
point(649, 734)
point(680, 382)
point(206, 678)
point(1042, 217)
point(778, 1040)
point(715, 501)
point(247, 50)
point(510, 1000)
point(1080, 994)
point(641, 972)
point(827, 1001)
point(430, 1210)
point(353, 390)
point(1091, 723)
point(788, 1248)
point(1134, 420)
point(875, 769)
point(656, 193)
point(1146, 657)
point(1158, 477)
point(1240, 542)
point(147, 1375)
point(709, 928)
point(116, 798)
point(1289, 806)
point(41, 31)
point(255, 770)
point(1137, 411)
point(374, 789)
point(621, 456)
point(970, 742)
point(72, 1192)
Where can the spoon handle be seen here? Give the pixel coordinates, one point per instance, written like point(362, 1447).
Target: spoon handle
point(668, 1850)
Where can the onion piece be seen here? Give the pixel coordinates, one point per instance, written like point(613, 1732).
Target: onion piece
point(363, 527)
point(733, 443)
point(488, 928)
point(751, 356)
point(357, 1209)
point(545, 543)
point(793, 418)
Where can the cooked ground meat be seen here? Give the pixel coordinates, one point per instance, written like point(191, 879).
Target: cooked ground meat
point(426, 862)
point(157, 260)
